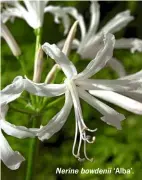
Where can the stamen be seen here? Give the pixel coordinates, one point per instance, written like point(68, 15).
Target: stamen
point(91, 130)
point(79, 146)
point(86, 154)
point(75, 138)
point(89, 137)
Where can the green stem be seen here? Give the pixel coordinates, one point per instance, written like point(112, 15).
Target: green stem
point(20, 60)
point(20, 110)
point(53, 103)
point(33, 151)
point(34, 143)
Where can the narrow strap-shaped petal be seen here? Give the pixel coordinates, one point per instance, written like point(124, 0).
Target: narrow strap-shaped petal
point(132, 43)
point(111, 116)
point(119, 100)
point(137, 75)
point(13, 12)
point(12, 130)
point(136, 94)
point(42, 89)
point(59, 12)
point(95, 17)
point(17, 131)
point(10, 40)
point(55, 53)
point(111, 85)
point(57, 122)
point(117, 66)
point(12, 159)
point(3, 111)
point(102, 57)
point(74, 13)
point(90, 47)
point(12, 91)
point(118, 22)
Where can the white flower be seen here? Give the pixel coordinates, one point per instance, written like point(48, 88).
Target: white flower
point(6, 34)
point(91, 40)
point(33, 13)
point(79, 86)
point(127, 91)
point(13, 91)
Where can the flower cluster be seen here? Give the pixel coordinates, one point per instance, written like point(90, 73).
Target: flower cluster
point(125, 92)
point(91, 40)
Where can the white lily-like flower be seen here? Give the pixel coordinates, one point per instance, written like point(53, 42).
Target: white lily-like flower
point(13, 91)
point(33, 13)
point(91, 40)
point(79, 86)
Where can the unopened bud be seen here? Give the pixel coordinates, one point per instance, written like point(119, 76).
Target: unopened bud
point(6, 34)
point(68, 43)
point(38, 65)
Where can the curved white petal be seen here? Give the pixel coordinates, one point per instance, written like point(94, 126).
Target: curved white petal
point(134, 76)
point(74, 13)
point(102, 57)
point(118, 22)
point(90, 47)
point(42, 89)
point(86, 43)
point(137, 95)
point(57, 122)
point(17, 131)
point(117, 66)
point(13, 12)
point(55, 53)
point(12, 91)
point(95, 17)
point(111, 116)
point(111, 85)
point(119, 100)
point(3, 111)
point(12, 159)
point(59, 12)
point(10, 40)
point(132, 43)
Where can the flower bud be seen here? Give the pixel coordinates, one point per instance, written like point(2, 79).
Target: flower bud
point(6, 34)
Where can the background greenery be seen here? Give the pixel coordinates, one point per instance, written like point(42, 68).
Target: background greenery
point(112, 148)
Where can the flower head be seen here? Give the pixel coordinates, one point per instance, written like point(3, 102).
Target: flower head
point(91, 40)
point(80, 86)
point(125, 92)
point(13, 159)
point(33, 13)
